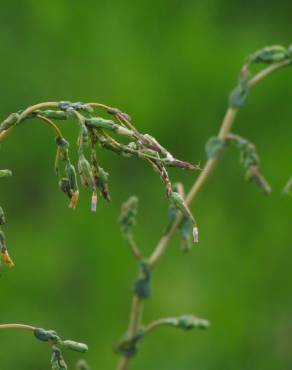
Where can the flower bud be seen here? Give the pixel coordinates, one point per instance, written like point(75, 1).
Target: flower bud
point(57, 360)
point(5, 173)
point(2, 217)
point(85, 172)
point(75, 346)
point(271, 54)
point(82, 365)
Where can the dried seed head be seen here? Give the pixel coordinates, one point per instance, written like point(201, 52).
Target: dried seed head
point(196, 234)
point(93, 202)
point(74, 199)
point(6, 259)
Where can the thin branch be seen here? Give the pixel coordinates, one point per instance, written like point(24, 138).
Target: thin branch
point(17, 326)
point(51, 123)
point(211, 163)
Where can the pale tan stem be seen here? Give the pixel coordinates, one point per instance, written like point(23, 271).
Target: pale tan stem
point(36, 107)
point(17, 326)
point(209, 167)
point(212, 162)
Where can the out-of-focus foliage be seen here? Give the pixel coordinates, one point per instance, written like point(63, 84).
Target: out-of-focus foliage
point(171, 65)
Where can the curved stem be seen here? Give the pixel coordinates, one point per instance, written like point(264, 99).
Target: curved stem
point(51, 123)
point(154, 324)
point(209, 167)
point(212, 162)
point(35, 107)
point(17, 326)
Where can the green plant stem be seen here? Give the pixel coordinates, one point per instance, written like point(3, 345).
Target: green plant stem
point(159, 250)
point(51, 123)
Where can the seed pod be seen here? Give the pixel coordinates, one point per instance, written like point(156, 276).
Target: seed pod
point(271, 54)
point(99, 122)
point(71, 175)
point(64, 185)
point(85, 172)
point(2, 217)
point(187, 322)
point(82, 365)
point(54, 114)
point(128, 215)
point(46, 335)
point(57, 360)
point(10, 121)
point(75, 346)
point(180, 204)
point(5, 173)
point(62, 143)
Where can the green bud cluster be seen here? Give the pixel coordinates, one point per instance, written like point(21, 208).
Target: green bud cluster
point(214, 147)
point(57, 343)
point(142, 286)
point(268, 55)
point(57, 360)
point(127, 346)
point(250, 161)
point(188, 226)
point(187, 322)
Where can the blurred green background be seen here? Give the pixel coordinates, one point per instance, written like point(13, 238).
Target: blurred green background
point(171, 65)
